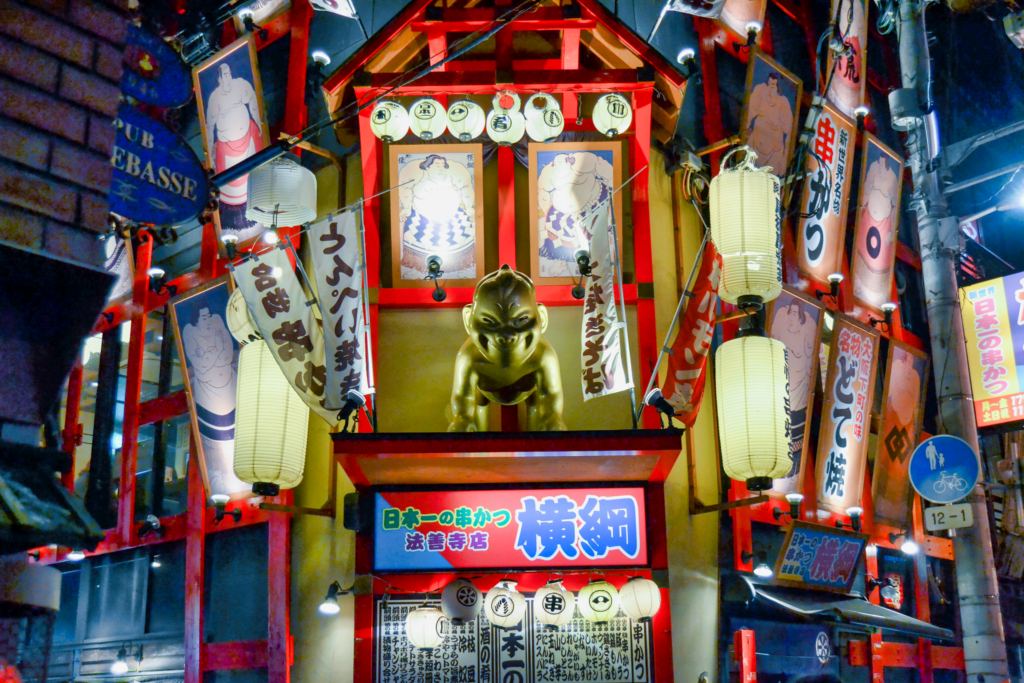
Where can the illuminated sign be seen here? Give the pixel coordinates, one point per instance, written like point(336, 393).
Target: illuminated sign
point(816, 556)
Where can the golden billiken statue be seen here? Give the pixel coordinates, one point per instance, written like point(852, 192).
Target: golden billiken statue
point(506, 360)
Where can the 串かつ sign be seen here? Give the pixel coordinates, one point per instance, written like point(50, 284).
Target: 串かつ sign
point(819, 557)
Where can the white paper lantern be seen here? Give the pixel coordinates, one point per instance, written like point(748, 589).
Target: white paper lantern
point(506, 124)
point(598, 601)
point(640, 598)
point(466, 120)
point(239, 320)
point(612, 114)
point(282, 192)
point(271, 424)
point(427, 118)
point(746, 227)
point(553, 605)
point(389, 121)
point(461, 601)
point(752, 397)
point(544, 121)
point(504, 606)
point(426, 627)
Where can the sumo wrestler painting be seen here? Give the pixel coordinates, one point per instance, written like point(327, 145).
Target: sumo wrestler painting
point(209, 355)
point(874, 243)
point(234, 127)
point(770, 113)
point(569, 184)
point(436, 209)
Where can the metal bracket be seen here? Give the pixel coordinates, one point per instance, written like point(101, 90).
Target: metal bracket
point(328, 510)
point(699, 508)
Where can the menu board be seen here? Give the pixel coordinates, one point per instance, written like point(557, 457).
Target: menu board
point(617, 651)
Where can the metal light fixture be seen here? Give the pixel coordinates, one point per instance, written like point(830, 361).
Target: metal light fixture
point(155, 563)
point(834, 280)
point(251, 26)
point(151, 526)
point(753, 28)
point(686, 55)
point(908, 547)
point(854, 513)
point(120, 665)
point(795, 500)
point(888, 308)
point(330, 604)
point(888, 586)
point(640, 598)
point(220, 511)
point(762, 569)
point(230, 245)
point(157, 281)
point(219, 499)
point(434, 263)
point(657, 400)
point(76, 555)
point(553, 605)
point(353, 402)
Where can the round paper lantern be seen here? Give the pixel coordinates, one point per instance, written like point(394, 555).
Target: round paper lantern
point(504, 606)
point(389, 121)
point(427, 118)
point(426, 627)
point(239, 321)
point(612, 114)
point(505, 123)
point(461, 601)
point(271, 424)
point(752, 397)
point(466, 120)
point(746, 227)
point(544, 120)
point(640, 598)
point(281, 192)
point(598, 601)
point(553, 605)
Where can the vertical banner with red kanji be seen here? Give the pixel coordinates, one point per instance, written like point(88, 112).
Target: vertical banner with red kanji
point(846, 70)
point(603, 372)
point(846, 415)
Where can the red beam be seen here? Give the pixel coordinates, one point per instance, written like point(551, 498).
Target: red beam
point(907, 655)
point(473, 82)
point(516, 25)
point(370, 149)
point(195, 567)
point(298, 54)
point(420, 297)
point(72, 435)
point(279, 593)
point(277, 28)
point(163, 408)
point(506, 207)
point(570, 62)
point(239, 655)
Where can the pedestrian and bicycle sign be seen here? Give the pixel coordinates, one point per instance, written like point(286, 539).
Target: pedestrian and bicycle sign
point(944, 469)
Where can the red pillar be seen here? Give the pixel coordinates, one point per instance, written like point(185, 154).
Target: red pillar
point(279, 593)
point(195, 568)
point(746, 655)
point(72, 435)
point(647, 331)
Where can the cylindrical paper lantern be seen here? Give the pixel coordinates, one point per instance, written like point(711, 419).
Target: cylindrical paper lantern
point(553, 605)
point(504, 606)
point(427, 118)
point(270, 432)
point(466, 120)
point(598, 601)
point(640, 598)
point(505, 123)
point(752, 397)
point(461, 601)
point(239, 320)
point(389, 121)
point(544, 120)
point(746, 227)
point(426, 627)
point(281, 192)
point(612, 114)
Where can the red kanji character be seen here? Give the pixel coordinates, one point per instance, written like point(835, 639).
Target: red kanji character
point(997, 387)
point(821, 567)
point(825, 140)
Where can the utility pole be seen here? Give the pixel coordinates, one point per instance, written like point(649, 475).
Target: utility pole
point(977, 587)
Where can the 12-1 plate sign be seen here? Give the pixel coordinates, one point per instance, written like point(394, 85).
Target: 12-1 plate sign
point(442, 530)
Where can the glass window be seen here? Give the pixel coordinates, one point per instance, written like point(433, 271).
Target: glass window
point(165, 609)
point(235, 596)
point(163, 453)
point(117, 595)
point(67, 617)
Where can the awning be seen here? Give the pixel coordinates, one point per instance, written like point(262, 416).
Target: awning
point(845, 609)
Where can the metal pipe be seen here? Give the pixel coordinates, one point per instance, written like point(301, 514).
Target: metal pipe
point(977, 588)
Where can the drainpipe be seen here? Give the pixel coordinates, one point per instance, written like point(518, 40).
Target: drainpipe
point(977, 588)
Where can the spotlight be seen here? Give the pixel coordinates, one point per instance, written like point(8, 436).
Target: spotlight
point(251, 25)
point(434, 263)
point(120, 665)
point(656, 399)
point(270, 236)
point(155, 563)
point(861, 112)
point(686, 55)
point(151, 526)
point(156, 278)
point(753, 29)
point(888, 308)
point(908, 547)
point(220, 508)
point(321, 57)
point(888, 586)
point(230, 245)
point(353, 402)
point(316, 77)
point(834, 280)
point(762, 569)
point(794, 500)
point(583, 261)
point(854, 514)
point(76, 556)
point(219, 499)
point(330, 604)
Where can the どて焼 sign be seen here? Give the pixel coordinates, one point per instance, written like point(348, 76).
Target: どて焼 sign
point(814, 556)
point(526, 528)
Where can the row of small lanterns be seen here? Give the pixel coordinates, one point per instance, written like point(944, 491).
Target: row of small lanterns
point(541, 118)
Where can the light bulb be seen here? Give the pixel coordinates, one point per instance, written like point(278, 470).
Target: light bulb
point(270, 237)
point(220, 499)
point(686, 54)
point(156, 563)
point(909, 547)
point(853, 511)
point(795, 498)
point(763, 570)
point(76, 556)
point(836, 277)
point(321, 57)
point(861, 111)
point(119, 668)
point(330, 607)
point(754, 27)
point(888, 307)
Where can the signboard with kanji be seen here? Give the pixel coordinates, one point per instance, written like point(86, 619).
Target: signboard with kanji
point(993, 318)
point(443, 530)
point(820, 557)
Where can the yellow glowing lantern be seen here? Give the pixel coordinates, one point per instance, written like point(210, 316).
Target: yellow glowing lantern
point(466, 120)
point(426, 627)
point(427, 118)
point(598, 601)
point(612, 114)
point(389, 121)
point(640, 598)
point(544, 120)
point(504, 606)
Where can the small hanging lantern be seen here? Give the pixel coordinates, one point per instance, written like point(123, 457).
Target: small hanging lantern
point(640, 598)
point(505, 123)
point(752, 397)
point(271, 424)
point(426, 627)
point(544, 121)
point(461, 601)
point(598, 601)
point(612, 114)
point(239, 320)
point(504, 606)
point(389, 121)
point(466, 119)
point(553, 605)
point(746, 227)
point(281, 192)
point(427, 118)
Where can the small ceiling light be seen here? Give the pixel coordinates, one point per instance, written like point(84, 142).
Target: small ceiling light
point(120, 666)
point(854, 513)
point(76, 556)
point(834, 280)
point(155, 563)
point(330, 604)
point(657, 400)
point(230, 244)
point(908, 547)
point(156, 277)
point(246, 15)
point(220, 499)
point(763, 570)
point(888, 308)
point(687, 54)
point(861, 111)
point(753, 29)
point(794, 500)
point(321, 57)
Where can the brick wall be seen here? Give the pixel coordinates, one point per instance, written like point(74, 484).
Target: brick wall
point(60, 72)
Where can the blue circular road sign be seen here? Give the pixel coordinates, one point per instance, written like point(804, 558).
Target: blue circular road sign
point(944, 469)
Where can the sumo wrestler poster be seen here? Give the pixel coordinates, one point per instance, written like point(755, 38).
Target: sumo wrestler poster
point(569, 184)
point(878, 213)
point(437, 209)
point(770, 113)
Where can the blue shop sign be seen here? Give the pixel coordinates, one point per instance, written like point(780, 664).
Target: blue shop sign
point(944, 469)
point(153, 71)
point(157, 177)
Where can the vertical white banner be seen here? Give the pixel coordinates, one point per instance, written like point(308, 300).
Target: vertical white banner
point(278, 307)
point(337, 271)
point(603, 372)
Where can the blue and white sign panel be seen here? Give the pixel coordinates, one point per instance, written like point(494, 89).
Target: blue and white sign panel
point(944, 469)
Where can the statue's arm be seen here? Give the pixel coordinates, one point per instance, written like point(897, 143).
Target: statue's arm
point(463, 402)
point(545, 411)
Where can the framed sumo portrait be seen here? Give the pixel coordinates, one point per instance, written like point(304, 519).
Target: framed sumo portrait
point(437, 208)
point(771, 112)
point(878, 217)
point(569, 184)
point(229, 95)
point(209, 361)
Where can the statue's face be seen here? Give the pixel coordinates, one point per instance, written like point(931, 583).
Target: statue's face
point(505, 321)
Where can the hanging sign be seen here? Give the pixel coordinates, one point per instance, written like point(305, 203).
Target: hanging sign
point(699, 8)
point(442, 530)
point(874, 241)
point(949, 517)
point(815, 556)
point(845, 417)
point(153, 72)
point(615, 651)
point(993, 319)
point(157, 177)
point(944, 469)
point(603, 372)
point(340, 7)
point(846, 89)
point(822, 232)
point(893, 598)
